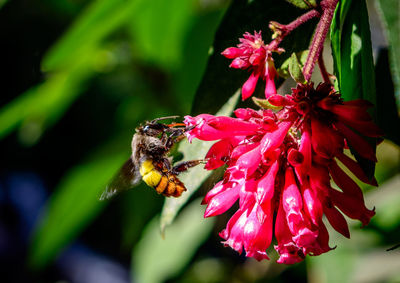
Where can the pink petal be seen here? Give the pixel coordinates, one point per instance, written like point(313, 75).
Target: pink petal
point(220, 186)
point(257, 235)
point(292, 203)
point(266, 185)
point(233, 125)
point(270, 88)
point(288, 251)
point(249, 162)
point(258, 57)
point(222, 201)
point(345, 111)
point(234, 236)
point(344, 182)
point(218, 153)
point(325, 140)
point(239, 63)
point(274, 139)
point(357, 142)
point(278, 100)
point(246, 113)
point(250, 85)
point(242, 149)
point(355, 169)
point(312, 204)
point(352, 206)
point(337, 220)
point(232, 52)
point(295, 157)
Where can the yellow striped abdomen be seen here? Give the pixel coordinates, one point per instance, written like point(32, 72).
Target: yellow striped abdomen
point(149, 173)
point(164, 183)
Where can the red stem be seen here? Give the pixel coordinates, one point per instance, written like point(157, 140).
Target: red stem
point(322, 68)
point(317, 44)
point(287, 29)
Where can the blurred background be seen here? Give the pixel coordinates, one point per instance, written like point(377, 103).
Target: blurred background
point(78, 76)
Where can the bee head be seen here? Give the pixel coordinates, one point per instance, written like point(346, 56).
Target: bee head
point(152, 129)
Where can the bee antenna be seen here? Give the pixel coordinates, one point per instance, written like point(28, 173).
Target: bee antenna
point(165, 118)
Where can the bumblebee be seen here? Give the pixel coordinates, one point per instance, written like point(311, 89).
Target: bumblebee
point(150, 162)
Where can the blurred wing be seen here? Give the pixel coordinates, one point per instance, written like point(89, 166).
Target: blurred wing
point(126, 178)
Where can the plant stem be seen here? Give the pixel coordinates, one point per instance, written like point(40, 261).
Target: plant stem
point(287, 29)
point(322, 68)
point(317, 44)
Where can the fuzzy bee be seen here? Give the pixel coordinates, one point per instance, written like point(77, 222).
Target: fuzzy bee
point(150, 161)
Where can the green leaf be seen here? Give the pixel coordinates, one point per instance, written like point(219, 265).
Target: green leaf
point(195, 176)
point(99, 20)
point(74, 203)
point(219, 81)
point(264, 103)
point(390, 14)
point(72, 62)
point(353, 62)
point(195, 53)
point(156, 259)
point(159, 29)
point(364, 258)
point(386, 200)
point(295, 69)
point(352, 52)
point(42, 105)
point(283, 70)
point(2, 2)
point(387, 114)
point(303, 4)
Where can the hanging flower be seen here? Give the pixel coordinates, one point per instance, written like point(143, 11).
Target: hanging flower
point(279, 168)
point(251, 53)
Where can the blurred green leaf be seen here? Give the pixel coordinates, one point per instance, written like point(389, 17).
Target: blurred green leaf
point(343, 264)
point(295, 69)
point(159, 29)
point(387, 199)
point(74, 203)
point(195, 176)
point(2, 2)
point(156, 259)
point(196, 46)
point(264, 103)
point(303, 4)
point(390, 14)
point(219, 81)
point(72, 61)
point(360, 259)
point(352, 51)
point(45, 103)
point(387, 114)
point(353, 62)
point(283, 70)
point(93, 25)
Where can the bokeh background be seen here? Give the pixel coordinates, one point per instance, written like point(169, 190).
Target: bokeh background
point(77, 77)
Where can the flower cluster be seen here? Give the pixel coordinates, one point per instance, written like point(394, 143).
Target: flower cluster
point(251, 53)
point(280, 166)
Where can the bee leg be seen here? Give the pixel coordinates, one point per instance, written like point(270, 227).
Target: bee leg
point(167, 163)
point(175, 135)
point(185, 165)
point(172, 139)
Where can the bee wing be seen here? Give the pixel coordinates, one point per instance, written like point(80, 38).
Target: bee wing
point(126, 178)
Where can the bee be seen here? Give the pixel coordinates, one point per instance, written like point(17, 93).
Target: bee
point(150, 162)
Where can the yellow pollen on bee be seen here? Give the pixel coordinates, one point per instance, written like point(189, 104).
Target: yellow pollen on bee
point(146, 167)
point(149, 174)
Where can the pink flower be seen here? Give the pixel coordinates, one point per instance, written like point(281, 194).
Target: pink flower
point(279, 169)
point(251, 53)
